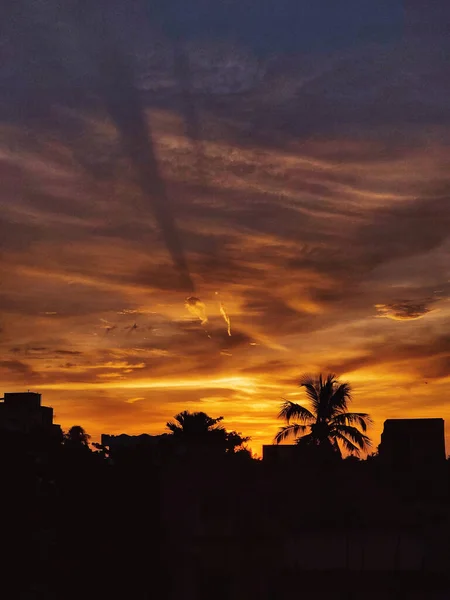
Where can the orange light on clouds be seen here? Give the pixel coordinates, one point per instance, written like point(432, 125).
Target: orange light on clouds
point(310, 240)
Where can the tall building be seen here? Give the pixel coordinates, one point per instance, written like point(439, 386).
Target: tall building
point(413, 442)
point(22, 412)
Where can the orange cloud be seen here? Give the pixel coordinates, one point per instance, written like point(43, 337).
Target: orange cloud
point(403, 311)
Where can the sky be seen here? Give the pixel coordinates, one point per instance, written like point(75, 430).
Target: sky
point(287, 163)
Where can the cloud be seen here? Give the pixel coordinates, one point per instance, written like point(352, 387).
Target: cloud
point(425, 358)
point(133, 400)
point(274, 367)
point(17, 367)
point(403, 311)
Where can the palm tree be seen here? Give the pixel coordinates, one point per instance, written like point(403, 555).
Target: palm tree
point(197, 429)
point(328, 423)
point(194, 424)
point(77, 437)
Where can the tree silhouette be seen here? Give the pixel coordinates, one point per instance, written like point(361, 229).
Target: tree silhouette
point(234, 442)
point(329, 424)
point(193, 424)
point(77, 437)
point(199, 430)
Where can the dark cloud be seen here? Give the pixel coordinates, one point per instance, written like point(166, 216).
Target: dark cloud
point(70, 297)
point(403, 311)
point(19, 368)
point(42, 351)
point(265, 307)
point(407, 230)
point(274, 315)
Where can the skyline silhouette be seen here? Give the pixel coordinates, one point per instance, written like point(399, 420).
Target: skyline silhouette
point(323, 421)
point(158, 514)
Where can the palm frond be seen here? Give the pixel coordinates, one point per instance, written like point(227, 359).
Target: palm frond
point(307, 378)
point(328, 383)
point(172, 426)
point(293, 430)
point(348, 445)
point(194, 423)
point(312, 388)
point(321, 392)
point(325, 387)
point(362, 420)
point(340, 396)
point(182, 416)
point(290, 410)
point(362, 441)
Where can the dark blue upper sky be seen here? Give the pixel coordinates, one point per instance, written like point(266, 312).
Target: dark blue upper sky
point(283, 25)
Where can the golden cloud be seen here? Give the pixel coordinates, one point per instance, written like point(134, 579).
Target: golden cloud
point(403, 311)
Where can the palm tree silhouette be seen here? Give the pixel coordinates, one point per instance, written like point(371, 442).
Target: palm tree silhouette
point(329, 424)
point(77, 437)
point(193, 424)
point(199, 430)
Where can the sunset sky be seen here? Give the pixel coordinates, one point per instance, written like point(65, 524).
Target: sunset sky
point(303, 157)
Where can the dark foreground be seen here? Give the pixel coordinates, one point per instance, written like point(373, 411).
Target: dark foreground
point(77, 525)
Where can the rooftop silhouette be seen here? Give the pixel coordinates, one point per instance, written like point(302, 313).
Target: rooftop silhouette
point(22, 412)
point(413, 443)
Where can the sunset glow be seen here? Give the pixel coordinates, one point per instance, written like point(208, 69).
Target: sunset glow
point(320, 213)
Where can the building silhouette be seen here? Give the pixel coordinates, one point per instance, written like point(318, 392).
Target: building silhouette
point(21, 412)
point(408, 443)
